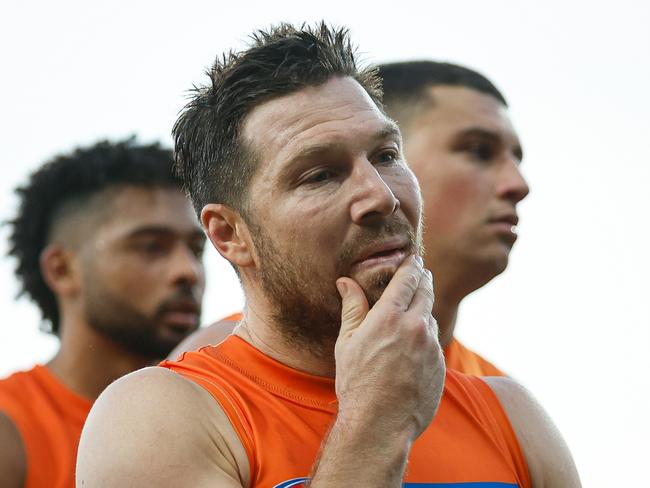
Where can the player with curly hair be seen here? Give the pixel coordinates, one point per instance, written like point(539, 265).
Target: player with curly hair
point(108, 248)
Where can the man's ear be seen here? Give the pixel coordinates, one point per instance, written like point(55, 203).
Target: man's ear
point(229, 234)
point(59, 269)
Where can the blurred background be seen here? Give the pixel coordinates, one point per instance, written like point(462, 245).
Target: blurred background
point(570, 318)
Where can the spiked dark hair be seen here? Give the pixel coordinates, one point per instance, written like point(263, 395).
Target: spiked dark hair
point(405, 85)
point(211, 158)
point(72, 180)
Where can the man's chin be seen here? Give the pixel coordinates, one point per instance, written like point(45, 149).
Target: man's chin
point(497, 256)
point(486, 266)
point(373, 284)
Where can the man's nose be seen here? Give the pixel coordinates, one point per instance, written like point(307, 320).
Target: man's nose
point(512, 184)
point(186, 267)
point(372, 198)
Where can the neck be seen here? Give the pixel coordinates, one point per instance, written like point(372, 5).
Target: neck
point(87, 362)
point(451, 286)
point(445, 312)
point(259, 330)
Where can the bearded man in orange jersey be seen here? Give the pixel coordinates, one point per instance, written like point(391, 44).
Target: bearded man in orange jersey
point(463, 149)
point(336, 376)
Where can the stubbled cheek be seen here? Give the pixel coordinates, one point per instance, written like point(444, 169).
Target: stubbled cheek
point(314, 220)
point(314, 211)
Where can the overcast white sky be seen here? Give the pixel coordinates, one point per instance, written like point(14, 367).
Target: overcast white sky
point(570, 318)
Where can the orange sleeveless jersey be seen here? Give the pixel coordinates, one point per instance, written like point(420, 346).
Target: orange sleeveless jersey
point(466, 361)
point(281, 416)
point(236, 317)
point(49, 418)
point(457, 356)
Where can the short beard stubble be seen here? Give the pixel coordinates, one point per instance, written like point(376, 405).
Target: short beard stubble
point(307, 307)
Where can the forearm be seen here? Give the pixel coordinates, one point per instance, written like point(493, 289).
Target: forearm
point(389, 379)
point(360, 454)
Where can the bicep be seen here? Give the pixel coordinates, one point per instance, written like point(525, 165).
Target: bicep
point(13, 462)
point(154, 428)
point(548, 457)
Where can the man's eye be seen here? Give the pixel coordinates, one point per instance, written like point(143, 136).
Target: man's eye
point(197, 249)
point(388, 157)
point(320, 176)
point(480, 151)
point(151, 248)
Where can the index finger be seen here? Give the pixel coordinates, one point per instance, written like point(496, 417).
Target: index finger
point(403, 285)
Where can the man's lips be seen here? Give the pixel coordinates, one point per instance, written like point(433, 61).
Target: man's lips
point(505, 224)
point(183, 314)
point(510, 218)
point(387, 253)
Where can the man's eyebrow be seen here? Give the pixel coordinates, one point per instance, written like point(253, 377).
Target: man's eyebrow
point(389, 130)
point(161, 230)
point(493, 136)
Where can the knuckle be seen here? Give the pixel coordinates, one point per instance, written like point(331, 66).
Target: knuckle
point(418, 327)
point(428, 293)
point(411, 280)
point(429, 276)
point(422, 323)
point(395, 308)
point(351, 313)
point(432, 324)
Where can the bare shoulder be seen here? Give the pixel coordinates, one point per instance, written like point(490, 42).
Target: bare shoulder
point(212, 334)
point(549, 460)
point(155, 428)
point(13, 462)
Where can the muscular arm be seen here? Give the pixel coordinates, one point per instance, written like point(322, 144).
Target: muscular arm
point(155, 428)
point(549, 461)
point(356, 453)
point(13, 464)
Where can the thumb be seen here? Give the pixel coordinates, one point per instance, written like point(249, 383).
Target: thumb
point(354, 305)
